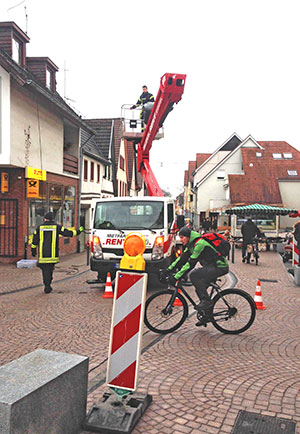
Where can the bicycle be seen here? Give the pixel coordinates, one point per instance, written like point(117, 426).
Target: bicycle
point(252, 250)
point(233, 309)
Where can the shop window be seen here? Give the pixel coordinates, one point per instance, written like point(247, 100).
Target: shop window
point(56, 201)
point(37, 208)
point(69, 207)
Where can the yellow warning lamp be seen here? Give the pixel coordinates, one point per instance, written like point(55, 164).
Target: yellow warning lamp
point(134, 247)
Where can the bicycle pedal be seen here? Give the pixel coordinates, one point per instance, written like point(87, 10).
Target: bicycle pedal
point(201, 323)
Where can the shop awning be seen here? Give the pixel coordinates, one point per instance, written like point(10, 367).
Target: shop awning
point(257, 208)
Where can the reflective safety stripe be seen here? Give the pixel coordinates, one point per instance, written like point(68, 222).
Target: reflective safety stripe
point(74, 232)
point(41, 245)
point(48, 260)
point(33, 246)
point(53, 258)
point(54, 235)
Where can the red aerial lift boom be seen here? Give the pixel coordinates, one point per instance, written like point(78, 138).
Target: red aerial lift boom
point(170, 92)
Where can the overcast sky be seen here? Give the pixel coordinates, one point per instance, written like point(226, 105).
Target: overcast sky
point(241, 58)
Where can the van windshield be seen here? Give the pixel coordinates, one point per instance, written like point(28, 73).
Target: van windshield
point(133, 215)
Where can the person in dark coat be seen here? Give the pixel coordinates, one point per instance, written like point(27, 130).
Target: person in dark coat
point(206, 225)
point(215, 224)
point(249, 230)
point(296, 231)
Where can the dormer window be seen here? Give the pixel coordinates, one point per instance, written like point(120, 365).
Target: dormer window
point(16, 51)
point(292, 172)
point(277, 156)
point(287, 155)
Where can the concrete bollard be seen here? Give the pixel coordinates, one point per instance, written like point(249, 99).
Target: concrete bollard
point(43, 392)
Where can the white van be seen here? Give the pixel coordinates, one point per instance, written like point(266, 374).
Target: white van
point(115, 218)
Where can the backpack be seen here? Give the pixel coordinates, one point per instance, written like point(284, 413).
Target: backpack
point(217, 241)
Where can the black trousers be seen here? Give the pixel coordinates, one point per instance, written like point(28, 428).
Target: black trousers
point(47, 271)
point(201, 278)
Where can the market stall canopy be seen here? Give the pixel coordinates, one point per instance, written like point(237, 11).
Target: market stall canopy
point(257, 208)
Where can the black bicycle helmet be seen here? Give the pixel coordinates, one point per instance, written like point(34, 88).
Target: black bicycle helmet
point(185, 232)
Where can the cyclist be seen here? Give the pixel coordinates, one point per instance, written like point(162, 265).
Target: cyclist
point(213, 266)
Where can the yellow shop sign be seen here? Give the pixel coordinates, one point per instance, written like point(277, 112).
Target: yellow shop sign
point(33, 173)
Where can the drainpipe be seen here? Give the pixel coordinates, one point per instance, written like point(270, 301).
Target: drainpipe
point(80, 182)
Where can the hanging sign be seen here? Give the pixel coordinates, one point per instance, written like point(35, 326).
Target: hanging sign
point(33, 173)
point(32, 188)
point(4, 182)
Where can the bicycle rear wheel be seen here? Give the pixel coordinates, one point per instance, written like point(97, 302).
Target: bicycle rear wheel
point(162, 317)
point(234, 311)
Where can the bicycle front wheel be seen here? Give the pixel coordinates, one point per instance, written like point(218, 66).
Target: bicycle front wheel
point(163, 317)
point(234, 311)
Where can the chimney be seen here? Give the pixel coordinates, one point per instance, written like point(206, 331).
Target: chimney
point(13, 41)
point(44, 70)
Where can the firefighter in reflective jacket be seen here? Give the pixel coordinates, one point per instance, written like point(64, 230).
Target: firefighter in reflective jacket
point(46, 238)
point(144, 98)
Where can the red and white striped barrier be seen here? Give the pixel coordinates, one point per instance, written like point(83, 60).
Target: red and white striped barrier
point(126, 330)
point(295, 253)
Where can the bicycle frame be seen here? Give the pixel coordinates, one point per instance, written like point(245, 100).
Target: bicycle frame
point(214, 288)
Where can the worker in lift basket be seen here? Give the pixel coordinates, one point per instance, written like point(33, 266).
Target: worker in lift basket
point(46, 238)
point(145, 98)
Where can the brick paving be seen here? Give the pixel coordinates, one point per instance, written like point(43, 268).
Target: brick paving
point(199, 378)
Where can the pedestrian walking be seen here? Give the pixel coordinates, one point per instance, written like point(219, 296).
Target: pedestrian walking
point(206, 225)
point(249, 230)
point(46, 238)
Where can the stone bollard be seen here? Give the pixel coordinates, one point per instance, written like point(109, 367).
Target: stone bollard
point(43, 392)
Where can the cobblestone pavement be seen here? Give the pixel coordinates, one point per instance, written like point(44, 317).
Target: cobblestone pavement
point(199, 378)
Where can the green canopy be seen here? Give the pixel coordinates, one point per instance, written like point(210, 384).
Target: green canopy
point(257, 208)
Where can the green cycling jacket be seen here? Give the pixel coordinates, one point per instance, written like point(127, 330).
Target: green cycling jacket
point(196, 251)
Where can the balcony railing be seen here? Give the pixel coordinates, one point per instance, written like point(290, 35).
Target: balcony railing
point(70, 164)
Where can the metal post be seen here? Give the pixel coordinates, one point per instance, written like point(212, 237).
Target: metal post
point(232, 252)
point(25, 246)
point(87, 253)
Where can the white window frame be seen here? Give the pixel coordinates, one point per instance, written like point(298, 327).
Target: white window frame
point(221, 174)
point(48, 78)
point(288, 155)
point(292, 172)
point(277, 156)
point(16, 51)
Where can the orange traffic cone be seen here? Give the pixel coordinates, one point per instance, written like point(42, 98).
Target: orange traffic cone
point(258, 297)
point(177, 302)
point(108, 292)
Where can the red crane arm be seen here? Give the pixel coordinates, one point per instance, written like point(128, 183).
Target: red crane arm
point(170, 92)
